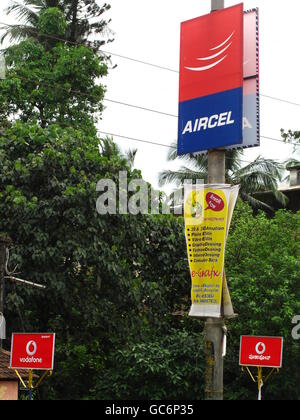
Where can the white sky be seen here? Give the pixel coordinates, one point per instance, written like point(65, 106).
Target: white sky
point(149, 30)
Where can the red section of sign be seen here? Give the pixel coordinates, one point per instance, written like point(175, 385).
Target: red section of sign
point(250, 44)
point(261, 351)
point(32, 351)
point(211, 58)
point(250, 88)
point(215, 202)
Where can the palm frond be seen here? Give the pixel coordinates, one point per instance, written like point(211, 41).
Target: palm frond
point(23, 12)
point(255, 203)
point(108, 148)
point(17, 33)
point(28, 12)
point(172, 152)
point(281, 198)
point(233, 160)
point(257, 181)
point(130, 156)
point(260, 164)
point(291, 162)
point(180, 176)
point(259, 176)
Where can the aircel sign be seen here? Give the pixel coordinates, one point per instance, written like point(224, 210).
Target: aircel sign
point(211, 81)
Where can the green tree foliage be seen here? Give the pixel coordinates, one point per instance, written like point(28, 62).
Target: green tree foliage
point(52, 86)
point(263, 270)
point(159, 368)
point(118, 286)
point(115, 282)
point(48, 207)
point(291, 136)
point(294, 138)
point(51, 24)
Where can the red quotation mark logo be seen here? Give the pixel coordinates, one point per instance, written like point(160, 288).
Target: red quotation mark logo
point(31, 348)
point(260, 348)
point(215, 202)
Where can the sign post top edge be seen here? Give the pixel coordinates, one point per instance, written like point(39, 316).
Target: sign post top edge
point(214, 12)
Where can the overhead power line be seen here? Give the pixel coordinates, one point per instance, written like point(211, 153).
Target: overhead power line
point(136, 139)
point(141, 108)
point(130, 58)
point(141, 62)
point(288, 143)
point(156, 143)
point(132, 105)
point(280, 100)
point(176, 116)
point(89, 96)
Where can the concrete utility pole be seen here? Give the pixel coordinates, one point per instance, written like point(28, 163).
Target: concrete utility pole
point(4, 243)
point(215, 328)
point(4, 275)
point(2, 271)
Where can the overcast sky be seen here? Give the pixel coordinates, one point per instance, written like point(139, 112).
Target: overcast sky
point(149, 30)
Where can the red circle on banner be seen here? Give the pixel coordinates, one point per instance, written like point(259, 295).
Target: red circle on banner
point(214, 202)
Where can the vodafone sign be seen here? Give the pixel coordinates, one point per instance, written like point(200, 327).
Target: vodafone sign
point(261, 351)
point(32, 351)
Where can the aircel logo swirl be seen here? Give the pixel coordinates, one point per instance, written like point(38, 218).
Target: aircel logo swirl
point(224, 45)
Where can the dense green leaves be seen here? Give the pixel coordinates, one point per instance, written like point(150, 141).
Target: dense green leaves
point(263, 268)
point(54, 86)
point(115, 283)
point(163, 367)
point(118, 286)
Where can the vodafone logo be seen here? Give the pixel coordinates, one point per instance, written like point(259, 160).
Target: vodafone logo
point(31, 348)
point(260, 348)
point(216, 57)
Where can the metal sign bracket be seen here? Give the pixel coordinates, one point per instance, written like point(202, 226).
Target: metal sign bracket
point(30, 386)
point(260, 379)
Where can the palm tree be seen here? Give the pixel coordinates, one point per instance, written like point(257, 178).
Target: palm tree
point(78, 14)
point(27, 11)
point(109, 149)
point(259, 176)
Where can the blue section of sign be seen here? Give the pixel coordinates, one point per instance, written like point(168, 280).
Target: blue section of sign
point(251, 121)
point(211, 122)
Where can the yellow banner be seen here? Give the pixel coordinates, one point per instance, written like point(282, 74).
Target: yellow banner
point(207, 211)
point(227, 308)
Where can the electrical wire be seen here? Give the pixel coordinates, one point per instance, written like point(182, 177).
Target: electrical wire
point(141, 108)
point(76, 43)
point(101, 132)
point(136, 139)
point(89, 96)
point(131, 105)
point(157, 144)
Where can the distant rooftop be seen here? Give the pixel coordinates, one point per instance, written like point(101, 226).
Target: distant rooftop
point(5, 372)
point(294, 175)
point(293, 167)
